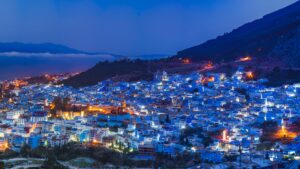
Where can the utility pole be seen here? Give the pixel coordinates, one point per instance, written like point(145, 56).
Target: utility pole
point(240, 151)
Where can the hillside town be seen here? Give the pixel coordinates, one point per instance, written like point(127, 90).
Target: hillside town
point(223, 121)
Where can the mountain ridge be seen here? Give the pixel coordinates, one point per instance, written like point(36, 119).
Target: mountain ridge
point(52, 48)
point(272, 42)
point(255, 38)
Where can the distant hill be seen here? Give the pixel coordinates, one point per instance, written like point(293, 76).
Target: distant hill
point(126, 70)
point(275, 36)
point(18, 60)
point(37, 48)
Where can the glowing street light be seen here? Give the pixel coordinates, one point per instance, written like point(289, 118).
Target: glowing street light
point(244, 59)
point(186, 61)
point(224, 135)
point(250, 75)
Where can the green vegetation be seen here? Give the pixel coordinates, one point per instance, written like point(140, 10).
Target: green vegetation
point(82, 162)
point(269, 128)
point(278, 76)
point(206, 138)
point(180, 161)
point(61, 103)
point(244, 92)
point(73, 151)
point(95, 156)
point(8, 154)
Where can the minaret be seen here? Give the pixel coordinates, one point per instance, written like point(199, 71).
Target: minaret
point(282, 124)
point(266, 102)
point(224, 135)
point(165, 76)
point(124, 105)
point(46, 103)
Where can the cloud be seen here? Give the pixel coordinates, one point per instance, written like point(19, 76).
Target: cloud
point(51, 55)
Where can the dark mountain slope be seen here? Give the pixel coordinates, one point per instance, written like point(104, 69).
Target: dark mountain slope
point(124, 69)
point(273, 41)
point(127, 70)
point(258, 38)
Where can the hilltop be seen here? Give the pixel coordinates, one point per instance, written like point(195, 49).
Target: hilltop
point(272, 43)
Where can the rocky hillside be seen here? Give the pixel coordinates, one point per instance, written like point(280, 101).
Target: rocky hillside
point(287, 48)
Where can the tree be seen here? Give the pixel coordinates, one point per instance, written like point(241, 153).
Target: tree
point(57, 101)
point(25, 150)
point(65, 103)
point(168, 119)
point(207, 141)
point(2, 166)
point(51, 162)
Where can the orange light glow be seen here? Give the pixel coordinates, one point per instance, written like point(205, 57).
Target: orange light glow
point(52, 106)
point(283, 133)
point(19, 83)
point(3, 146)
point(32, 128)
point(95, 141)
point(104, 110)
point(244, 59)
point(224, 135)
point(186, 61)
point(249, 75)
point(207, 66)
point(110, 109)
point(207, 79)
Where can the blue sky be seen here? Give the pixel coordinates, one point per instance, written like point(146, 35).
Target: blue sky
point(128, 27)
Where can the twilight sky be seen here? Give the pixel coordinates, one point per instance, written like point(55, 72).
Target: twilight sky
point(128, 27)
